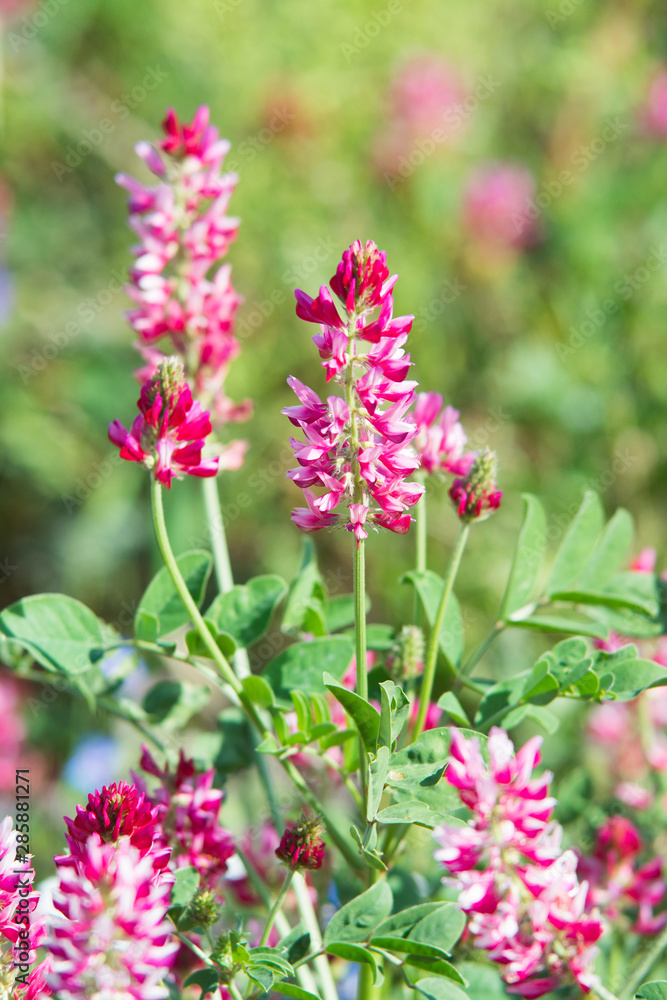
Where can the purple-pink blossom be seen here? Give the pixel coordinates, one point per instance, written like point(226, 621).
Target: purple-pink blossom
point(618, 884)
point(440, 440)
point(180, 289)
point(170, 432)
point(356, 457)
point(527, 909)
point(188, 808)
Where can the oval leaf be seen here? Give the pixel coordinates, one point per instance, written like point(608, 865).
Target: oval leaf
point(160, 598)
point(245, 611)
point(59, 632)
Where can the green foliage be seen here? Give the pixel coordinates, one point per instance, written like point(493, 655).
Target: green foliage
point(161, 610)
point(57, 631)
point(355, 921)
point(652, 991)
point(429, 589)
point(173, 703)
point(303, 664)
point(245, 612)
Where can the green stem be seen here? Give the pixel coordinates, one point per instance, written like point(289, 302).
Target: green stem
point(275, 909)
point(186, 597)
point(234, 991)
point(644, 966)
point(221, 561)
point(309, 917)
point(603, 993)
point(432, 653)
point(420, 546)
point(223, 566)
point(421, 533)
point(477, 654)
point(229, 675)
point(360, 648)
point(195, 950)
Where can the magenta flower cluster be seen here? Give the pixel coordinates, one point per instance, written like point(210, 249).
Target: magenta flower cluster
point(179, 291)
point(170, 432)
point(357, 451)
point(111, 935)
point(187, 809)
point(527, 908)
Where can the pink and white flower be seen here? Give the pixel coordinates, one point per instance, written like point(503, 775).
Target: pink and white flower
point(357, 449)
point(526, 906)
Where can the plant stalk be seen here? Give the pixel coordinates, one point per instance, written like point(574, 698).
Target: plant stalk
point(228, 674)
point(275, 909)
point(360, 648)
point(643, 966)
point(432, 653)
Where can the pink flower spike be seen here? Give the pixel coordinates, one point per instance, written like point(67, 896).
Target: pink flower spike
point(356, 449)
point(169, 435)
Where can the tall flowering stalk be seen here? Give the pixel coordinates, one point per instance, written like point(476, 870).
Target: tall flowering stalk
point(357, 449)
point(526, 906)
point(184, 232)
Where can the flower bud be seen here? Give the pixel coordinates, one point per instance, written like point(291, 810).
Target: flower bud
point(204, 908)
point(300, 845)
point(476, 494)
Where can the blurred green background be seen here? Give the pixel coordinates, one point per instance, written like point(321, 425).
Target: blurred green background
point(568, 395)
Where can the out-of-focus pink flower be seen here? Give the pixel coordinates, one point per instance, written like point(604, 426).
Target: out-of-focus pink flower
point(169, 434)
point(634, 740)
point(300, 846)
point(426, 111)
point(499, 207)
point(526, 906)
point(112, 937)
point(440, 440)
point(356, 450)
point(617, 884)
point(184, 231)
point(433, 715)
point(475, 494)
point(12, 731)
point(653, 115)
point(188, 808)
point(259, 846)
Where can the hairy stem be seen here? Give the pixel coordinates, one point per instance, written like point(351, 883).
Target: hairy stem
point(309, 917)
point(360, 648)
point(275, 909)
point(643, 966)
point(223, 566)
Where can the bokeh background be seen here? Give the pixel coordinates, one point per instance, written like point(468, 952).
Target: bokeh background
point(509, 155)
